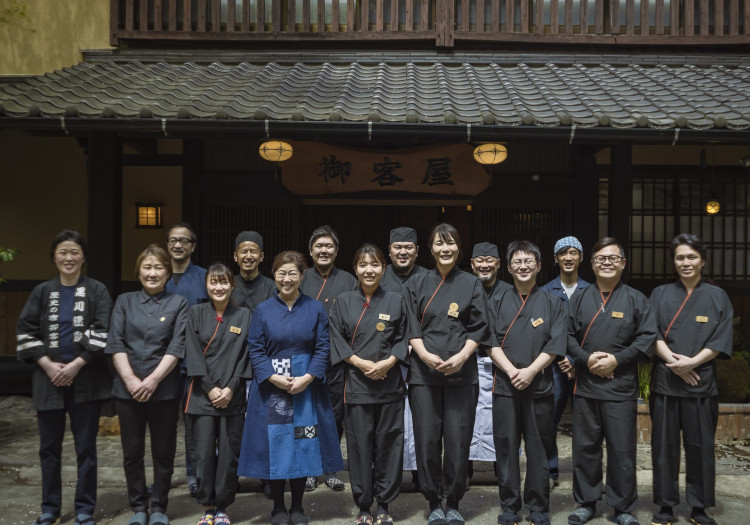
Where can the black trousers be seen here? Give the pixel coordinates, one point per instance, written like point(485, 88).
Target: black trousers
point(375, 448)
point(335, 380)
point(697, 419)
point(443, 415)
point(532, 418)
point(84, 424)
point(161, 419)
point(189, 470)
point(215, 447)
point(563, 392)
point(595, 420)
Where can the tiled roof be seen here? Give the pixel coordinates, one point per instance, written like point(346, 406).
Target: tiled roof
point(609, 95)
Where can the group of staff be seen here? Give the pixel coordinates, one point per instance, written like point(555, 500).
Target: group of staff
point(393, 356)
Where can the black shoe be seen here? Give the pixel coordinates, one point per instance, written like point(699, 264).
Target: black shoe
point(699, 517)
point(665, 516)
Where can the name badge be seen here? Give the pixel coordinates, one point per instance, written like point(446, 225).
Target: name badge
point(537, 322)
point(453, 313)
point(235, 329)
point(453, 307)
point(701, 318)
point(380, 327)
point(384, 317)
point(617, 315)
point(163, 319)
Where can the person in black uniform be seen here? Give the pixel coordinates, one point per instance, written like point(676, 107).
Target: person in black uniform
point(694, 327)
point(324, 282)
point(369, 332)
point(147, 341)
point(250, 286)
point(62, 330)
point(450, 312)
point(218, 364)
point(485, 263)
point(610, 327)
point(528, 333)
point(403, 249)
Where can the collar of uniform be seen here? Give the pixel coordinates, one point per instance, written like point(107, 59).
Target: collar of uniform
point(453, 270)
point(145, 297)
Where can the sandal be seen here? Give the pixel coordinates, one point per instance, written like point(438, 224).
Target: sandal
point(297, 517)
point(221, 518)
point(279, 517)
point(581, 515)
point(454, 517)
point(383, 519)
point(663, 517)
point(47, 519)
point(699, 517)
point(84, 519)
point(624, 518)
point(437, 517)
point(158, 518)
point(207, 518)
point(139, 518)
point(508, 518)
point(539, 518)
point(364, 518)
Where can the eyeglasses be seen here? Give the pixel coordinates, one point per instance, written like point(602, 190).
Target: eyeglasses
point(601, 259)
point(184, 241)
point(530, 263)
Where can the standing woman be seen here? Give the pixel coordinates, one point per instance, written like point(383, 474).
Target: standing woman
point(451, 311)
point(369, 333)
point(695, 327)
point(217, 365)
point(147, 339)
point(290, 432)
point(63, 330)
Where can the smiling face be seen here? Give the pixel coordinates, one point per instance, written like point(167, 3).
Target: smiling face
point(403, 256)
point(445, 251)
point(287, 278)
point(219, 289)
point(485, 267)
point(369, 272)
point(153, 275)
point(248, 256)
point(524, 268)
point(180, 244)
point(688, 262)
point(323, 253)
point(608, 264)
point(69, 260)
point(568, 259)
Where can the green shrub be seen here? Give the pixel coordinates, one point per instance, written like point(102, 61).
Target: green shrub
point(733, 376)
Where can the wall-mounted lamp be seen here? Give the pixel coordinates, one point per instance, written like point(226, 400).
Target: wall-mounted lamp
point(745, 161)
point(275, 150)
point(490, 153)
point(712, 207)
point(148, 214)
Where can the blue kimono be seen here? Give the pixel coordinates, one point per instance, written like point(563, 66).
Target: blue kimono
point(289, 436)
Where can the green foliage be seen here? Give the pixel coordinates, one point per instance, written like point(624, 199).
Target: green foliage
point(15, 14)
point(733, 377)
point(644, 380)
point(6, 255)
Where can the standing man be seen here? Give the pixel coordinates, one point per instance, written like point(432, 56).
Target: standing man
point(695, 327)
point(324, 282)
point(528, 334)
point(568, 256)
point(250, 287)
point(403, 249)
point(610, 326)
point(485, 263)
point(189, 281)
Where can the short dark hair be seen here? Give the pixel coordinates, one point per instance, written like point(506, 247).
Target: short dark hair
point(154, 250)
point(219, 270)
point(368, 249)
point(323, 231)
point(445, 231)
point(69, 235)
point(287, 257)
point(523, 246)
point(688, 239)
point(186, 225)
point(603, 243)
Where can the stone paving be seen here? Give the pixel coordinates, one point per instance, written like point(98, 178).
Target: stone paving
point(20, 480)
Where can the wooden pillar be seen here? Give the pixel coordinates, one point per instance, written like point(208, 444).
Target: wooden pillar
point(104, 172)
point(621, 193)
point(586, 203)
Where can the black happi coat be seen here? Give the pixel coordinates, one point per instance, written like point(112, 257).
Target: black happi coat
point(37, 333)
point(442, 332)
point(381, 332)
point(626, 328)
point(226, 361)
point(250, 294)
point(524, 342)
point(327, 290)
point(705, 321)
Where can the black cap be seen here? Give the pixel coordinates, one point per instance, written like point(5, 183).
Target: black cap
point(403, 234)
point(255, 237)
point(485, 249)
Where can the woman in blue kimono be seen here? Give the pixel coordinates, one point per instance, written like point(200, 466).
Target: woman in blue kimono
point(290, 432)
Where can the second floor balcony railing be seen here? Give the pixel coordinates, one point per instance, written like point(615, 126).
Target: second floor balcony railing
point(647, 22)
